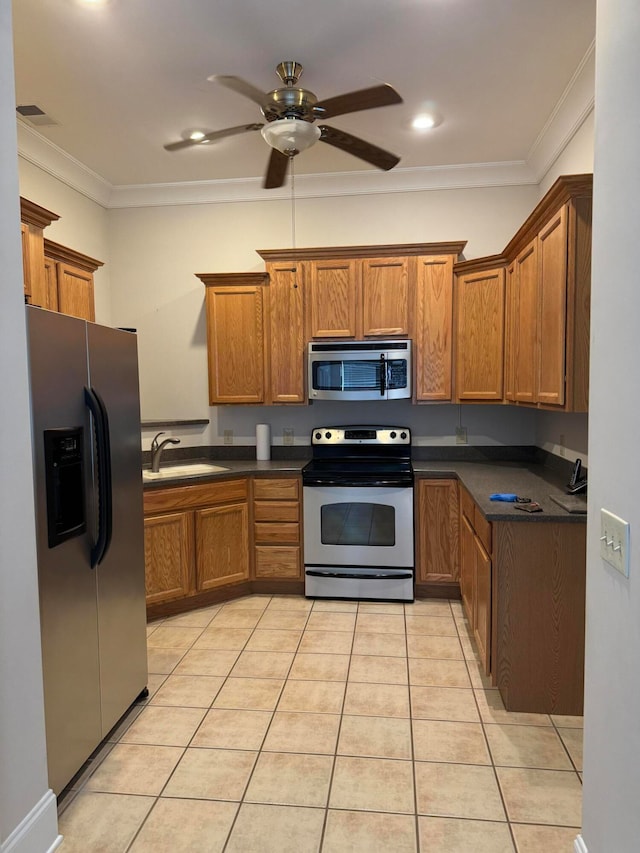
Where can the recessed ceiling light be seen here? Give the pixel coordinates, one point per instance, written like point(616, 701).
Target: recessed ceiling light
point(197, 135)
point(425, 121)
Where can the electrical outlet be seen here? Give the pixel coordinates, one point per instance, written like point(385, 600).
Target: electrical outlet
point(562, 445)
point(228, 436)
point(614, 541)
point(287, 436)
point(461, 435)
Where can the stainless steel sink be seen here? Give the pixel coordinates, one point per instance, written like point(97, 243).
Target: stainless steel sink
point(186, 469)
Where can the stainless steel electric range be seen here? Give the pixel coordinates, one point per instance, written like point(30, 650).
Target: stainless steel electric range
point(358, 514)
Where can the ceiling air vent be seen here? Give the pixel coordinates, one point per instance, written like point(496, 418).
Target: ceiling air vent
point(34, 115)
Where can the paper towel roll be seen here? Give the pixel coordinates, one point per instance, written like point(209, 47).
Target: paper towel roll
point(263, 441)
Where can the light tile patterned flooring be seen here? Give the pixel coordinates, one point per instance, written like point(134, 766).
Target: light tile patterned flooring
point(281, 724)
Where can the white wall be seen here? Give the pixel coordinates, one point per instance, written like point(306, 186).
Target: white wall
point(576, 158)
point(83, 225)
point(612, 691)
point(27, 806)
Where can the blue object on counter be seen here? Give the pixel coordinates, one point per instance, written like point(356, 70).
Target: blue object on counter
point(503, 496)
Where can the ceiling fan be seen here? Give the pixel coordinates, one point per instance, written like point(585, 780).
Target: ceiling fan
point(291, 111)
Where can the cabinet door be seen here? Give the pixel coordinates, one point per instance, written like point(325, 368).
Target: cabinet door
point(509, 392)
point(236, 344)
point(482, 604)
point(334, 299)
point(287, 333)
point(26, 263)
point(385, 297)
point(438, 521)
point(480, 335)
point(524, 330)
point(432, 332)
point(168, 556)
point(467, 568)
point(552, 248)
point(222, 545)
point(75, 292)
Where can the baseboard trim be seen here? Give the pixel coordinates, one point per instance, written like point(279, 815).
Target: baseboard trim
point(579, 846)
point(38, 830)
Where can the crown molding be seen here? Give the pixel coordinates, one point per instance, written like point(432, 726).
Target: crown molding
point(46, 155)
point(574, 106)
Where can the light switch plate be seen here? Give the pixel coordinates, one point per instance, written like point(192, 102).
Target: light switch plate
point(614, 541)
point(287, 436)
point(228, 436)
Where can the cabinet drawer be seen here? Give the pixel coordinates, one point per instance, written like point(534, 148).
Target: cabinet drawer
point(277, 488)
point(277, 511)
point(483, 529)
point(277, 562)
point(268, 532)
point(188, 497)
point(467, 505)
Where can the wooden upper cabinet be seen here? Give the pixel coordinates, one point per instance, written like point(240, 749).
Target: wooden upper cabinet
point(479, 308)
point(552, 307)
point(550, 299)
point(385, 297)
point(34, 219)
point(286, 339)
point(433, 327)
point(237, 308)
point(333, 299)
point(509, 391)
point(524, 333)
point(69, 276)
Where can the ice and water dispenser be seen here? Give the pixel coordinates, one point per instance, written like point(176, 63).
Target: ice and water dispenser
point(64, 464)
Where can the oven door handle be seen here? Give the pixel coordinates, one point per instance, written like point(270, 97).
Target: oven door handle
point(383, 375)
point(347, 483)
point(328, 573)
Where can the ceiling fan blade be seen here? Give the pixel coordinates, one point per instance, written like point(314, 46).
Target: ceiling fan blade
point(237, 84)
point(358, 147)
point(352, 102)
point(210, 137)
point(276, 170)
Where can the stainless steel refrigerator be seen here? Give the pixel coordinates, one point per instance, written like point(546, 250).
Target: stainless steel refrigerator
point(86, 439)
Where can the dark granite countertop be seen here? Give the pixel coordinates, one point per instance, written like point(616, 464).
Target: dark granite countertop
point(481, 479)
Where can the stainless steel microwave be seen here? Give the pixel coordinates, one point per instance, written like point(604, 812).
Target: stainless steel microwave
point(359, 370)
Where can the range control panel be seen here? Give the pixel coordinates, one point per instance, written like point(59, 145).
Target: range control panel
point(367, 435)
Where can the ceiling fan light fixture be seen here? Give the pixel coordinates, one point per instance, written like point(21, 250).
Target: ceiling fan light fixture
point(290, 135)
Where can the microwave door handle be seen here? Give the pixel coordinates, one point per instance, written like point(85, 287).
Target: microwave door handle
point(383, 375)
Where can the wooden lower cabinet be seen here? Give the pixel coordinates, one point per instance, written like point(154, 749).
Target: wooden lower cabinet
point(523, 591)
point(475, 574)
point(437, 524)
point(222, 545)
point(168, 555)
point(197, 539)
point(482, 603)
point(277, 528)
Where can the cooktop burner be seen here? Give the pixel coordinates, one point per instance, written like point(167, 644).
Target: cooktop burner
point(345, 455)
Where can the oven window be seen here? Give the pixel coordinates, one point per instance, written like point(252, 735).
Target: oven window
point(354, 523)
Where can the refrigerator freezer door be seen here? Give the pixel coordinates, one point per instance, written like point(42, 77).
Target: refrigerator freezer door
point(113, 374)
point(67, 585)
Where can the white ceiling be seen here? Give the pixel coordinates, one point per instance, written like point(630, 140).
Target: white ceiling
point(125, 79)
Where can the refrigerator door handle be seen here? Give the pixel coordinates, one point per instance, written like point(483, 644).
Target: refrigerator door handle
point(105, 494)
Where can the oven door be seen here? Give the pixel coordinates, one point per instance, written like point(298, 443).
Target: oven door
point(359, 526)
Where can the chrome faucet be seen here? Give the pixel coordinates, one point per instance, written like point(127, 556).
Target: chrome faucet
point(156, 450)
